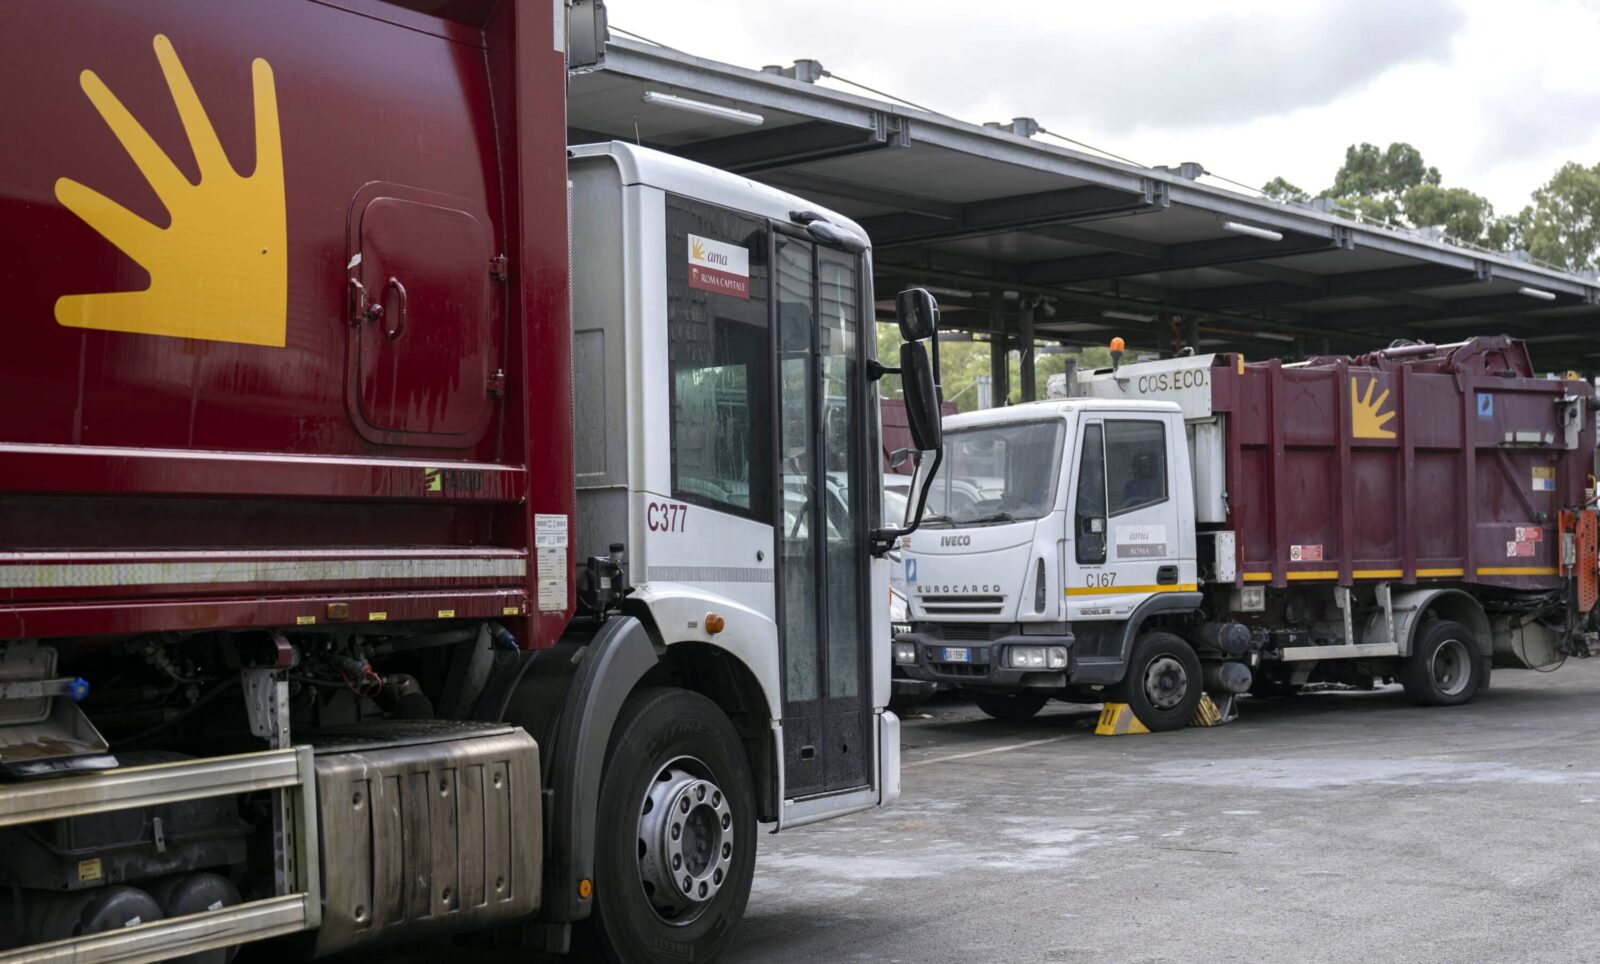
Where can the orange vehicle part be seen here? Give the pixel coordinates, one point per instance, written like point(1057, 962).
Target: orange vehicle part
point(1587, 531)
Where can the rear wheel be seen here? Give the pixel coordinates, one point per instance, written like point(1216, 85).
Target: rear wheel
point(1444, 668)
point(1012, 707)
point(1163, 684)
point(677, 843)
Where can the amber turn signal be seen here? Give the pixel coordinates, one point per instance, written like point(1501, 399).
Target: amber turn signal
point(714, 623)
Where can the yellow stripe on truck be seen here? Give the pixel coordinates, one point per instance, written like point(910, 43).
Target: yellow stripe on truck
point(1121, 590)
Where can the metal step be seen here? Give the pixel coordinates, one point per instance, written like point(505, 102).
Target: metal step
point(178, 937)
point(122, 789)
point(289, 772)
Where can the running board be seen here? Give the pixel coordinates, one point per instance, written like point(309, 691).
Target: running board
point(1357, 650)
point(290, 771)
point(175, 938)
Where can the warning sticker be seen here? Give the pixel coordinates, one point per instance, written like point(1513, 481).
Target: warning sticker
point(89, 869)
point(1544, 478)
point(1530, 534)
point(552, 576)
point(718, 266)
point(1519, 549)
point(1305, 553)
point(550, 531)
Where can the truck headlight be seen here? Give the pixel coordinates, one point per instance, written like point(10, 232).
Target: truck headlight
point(905, 654)
point(1036, 657)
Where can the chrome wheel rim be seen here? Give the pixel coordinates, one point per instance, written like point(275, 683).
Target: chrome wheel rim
point(1451, 666)
point(1165, 682)
point(685, 840)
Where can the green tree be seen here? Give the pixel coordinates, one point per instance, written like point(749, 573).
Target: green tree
point(1562, 226)
point(1396, 185)
point(1381, 176)
point(1280, 189)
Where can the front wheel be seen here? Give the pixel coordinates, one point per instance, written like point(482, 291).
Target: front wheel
point(1163, 684)
point(677, 844)
point(1012, 707)
point(1444, 668)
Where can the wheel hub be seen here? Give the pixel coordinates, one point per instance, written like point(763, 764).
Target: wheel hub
point(1165, 682)
point(685, 840)
point(1450, 667)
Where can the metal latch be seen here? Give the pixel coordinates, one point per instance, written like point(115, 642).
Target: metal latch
point(497, 267)
point(497, 383)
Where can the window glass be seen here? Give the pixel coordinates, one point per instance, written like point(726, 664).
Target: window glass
point(797, 436)
point(719, 355)
point(997, 473)
point(838, 305)
point(1136, 465)
point(1090, 512)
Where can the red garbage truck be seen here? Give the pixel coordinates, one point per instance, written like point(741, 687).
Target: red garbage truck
point(409, 524)
point(1205, 524)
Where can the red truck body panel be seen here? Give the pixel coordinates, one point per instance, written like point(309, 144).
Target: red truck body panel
point(1398, 467)
point(263, 366)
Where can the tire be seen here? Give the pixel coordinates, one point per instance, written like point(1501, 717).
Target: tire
point(1163, 684)
point(1444, 668)
point(1012, 707)
point(669, 745)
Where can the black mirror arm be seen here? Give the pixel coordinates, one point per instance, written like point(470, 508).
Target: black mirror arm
point(876, 370)
point(882, 540)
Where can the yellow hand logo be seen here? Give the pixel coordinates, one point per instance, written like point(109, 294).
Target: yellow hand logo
point(1367, 418)
point(219, 270)
point(697, 251)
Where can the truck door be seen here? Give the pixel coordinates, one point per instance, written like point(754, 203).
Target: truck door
point(822, 612)
point(1126, 542)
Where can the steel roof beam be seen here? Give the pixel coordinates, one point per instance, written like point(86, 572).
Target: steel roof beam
point(1457, 309)
point(795, 144)
point(806, 184)
point(1192, 254)
point(1376, 282)
point(1012, 213)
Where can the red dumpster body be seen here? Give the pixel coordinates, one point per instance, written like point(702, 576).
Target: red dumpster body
point(287, 334)
point(1407, 465)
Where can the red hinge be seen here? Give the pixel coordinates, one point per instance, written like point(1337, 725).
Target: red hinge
point(497, 267)
point(497, 383)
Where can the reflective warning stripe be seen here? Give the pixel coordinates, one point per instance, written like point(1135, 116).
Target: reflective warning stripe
point(73, 575)
point(1516, 571)
point(1122, 590)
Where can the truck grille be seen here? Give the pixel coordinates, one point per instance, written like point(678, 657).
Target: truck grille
point(959, 669)
point(977, 632)
point(962, 605)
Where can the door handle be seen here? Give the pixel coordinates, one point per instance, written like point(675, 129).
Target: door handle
point(1167, 575)
point(398, 319)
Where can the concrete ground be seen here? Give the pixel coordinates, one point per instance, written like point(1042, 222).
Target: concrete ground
point(1336, 826)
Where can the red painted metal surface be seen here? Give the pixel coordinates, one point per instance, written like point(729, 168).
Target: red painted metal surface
point(246, 398)
point(1399, 466)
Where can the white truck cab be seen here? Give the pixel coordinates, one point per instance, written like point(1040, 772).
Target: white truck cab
point(1050, 527)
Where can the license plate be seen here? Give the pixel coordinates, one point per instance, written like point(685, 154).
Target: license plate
point(957, 654)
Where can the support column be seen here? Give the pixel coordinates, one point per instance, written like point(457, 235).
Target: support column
point(999, 371)
point(1025, 348)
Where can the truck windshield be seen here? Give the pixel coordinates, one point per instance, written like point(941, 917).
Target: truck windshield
point(994, 474)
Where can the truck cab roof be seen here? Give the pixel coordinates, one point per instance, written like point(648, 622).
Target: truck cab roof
point(1054, 408)
point(651, 168)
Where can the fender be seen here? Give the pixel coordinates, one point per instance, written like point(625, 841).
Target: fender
point(608, 669)
point(1111, 671)
point(1412, 604)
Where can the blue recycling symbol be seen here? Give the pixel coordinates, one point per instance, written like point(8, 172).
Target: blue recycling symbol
point(911, 570)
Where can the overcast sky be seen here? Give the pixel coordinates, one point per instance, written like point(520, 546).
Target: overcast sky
point(1495, 93)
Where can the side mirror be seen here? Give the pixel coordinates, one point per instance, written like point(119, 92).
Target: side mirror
point(922, 397)
point(917, 313)
point(900, 457)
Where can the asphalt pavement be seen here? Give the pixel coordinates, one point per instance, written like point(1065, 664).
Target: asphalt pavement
point(1335, 826)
